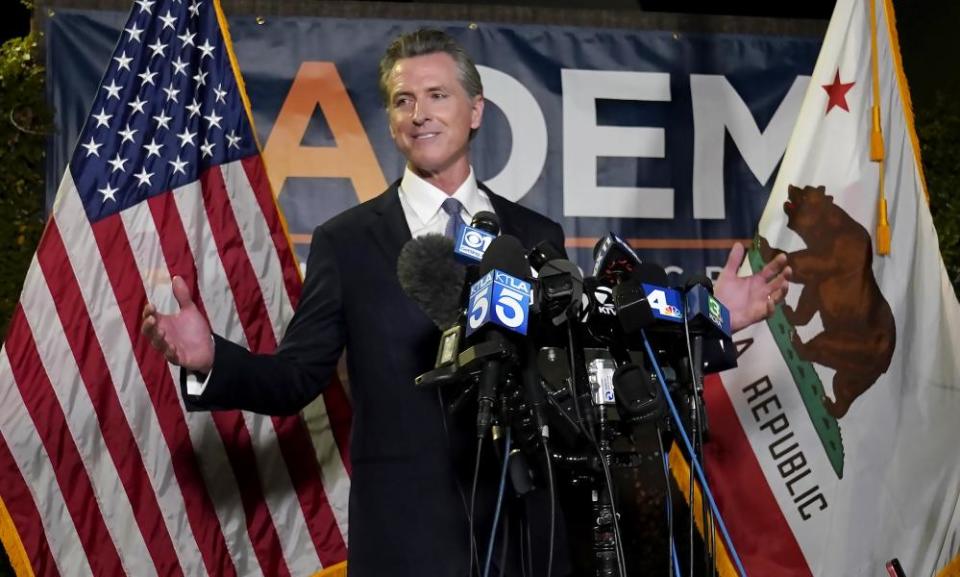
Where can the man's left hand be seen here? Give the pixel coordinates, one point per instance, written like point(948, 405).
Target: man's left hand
point(753, 298)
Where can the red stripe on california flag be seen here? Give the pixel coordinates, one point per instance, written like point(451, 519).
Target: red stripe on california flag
point(260, 184)
point(25, 515)
point(229, 424)
point(758, 528)
point(294, 439)
point(119, 262)
point(51, 424)
point(95, 374)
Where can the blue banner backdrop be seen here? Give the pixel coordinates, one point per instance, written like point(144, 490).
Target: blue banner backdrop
point(672, 140)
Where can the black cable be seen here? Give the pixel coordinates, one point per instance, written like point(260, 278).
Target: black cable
point(496, 512)
point(473, 499)
point(691, 505)
point(621, 558)
point(711, 548)
point(553, 509)
point(697, 430)
point(572, 384)
point(463, 498)
point(506, 544)
point(524, 546)
point(666, 478)
point(697, 436)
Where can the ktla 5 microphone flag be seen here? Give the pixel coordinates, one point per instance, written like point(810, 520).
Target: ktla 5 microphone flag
point(834, 444)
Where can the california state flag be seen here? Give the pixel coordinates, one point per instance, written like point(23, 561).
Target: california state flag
point(835, 445)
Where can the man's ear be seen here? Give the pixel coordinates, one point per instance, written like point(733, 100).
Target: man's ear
point(476, 113)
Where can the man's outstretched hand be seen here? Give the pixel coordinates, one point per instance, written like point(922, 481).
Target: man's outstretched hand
point(753, 298)
point(184, 338)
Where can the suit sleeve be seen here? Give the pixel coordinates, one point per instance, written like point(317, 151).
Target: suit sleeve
point(286, 381)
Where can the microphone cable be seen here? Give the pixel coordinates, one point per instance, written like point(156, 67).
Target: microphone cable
point(694, 462)
point(463, 498)
point(551, 490)
point(474, 553)
point(699, 417)
point(496, 511)
point(572, 384)
point(621, 558)
point(673, 569)
point(694, 427)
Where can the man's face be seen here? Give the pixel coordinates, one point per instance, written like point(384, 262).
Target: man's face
point(431, 114)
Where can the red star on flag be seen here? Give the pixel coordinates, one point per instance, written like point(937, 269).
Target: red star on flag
point(837, 93)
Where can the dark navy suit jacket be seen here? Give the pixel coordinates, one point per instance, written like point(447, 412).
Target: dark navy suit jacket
point(407, 510)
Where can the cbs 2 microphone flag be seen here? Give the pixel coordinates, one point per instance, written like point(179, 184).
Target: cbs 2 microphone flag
point(834, 443)
point(102, 472)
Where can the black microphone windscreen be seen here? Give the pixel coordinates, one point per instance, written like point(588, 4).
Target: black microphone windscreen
point(650, 273)
point(506, 254)
point(698, 279)
point(486, 221)
point(543, 253)
point(430, 276)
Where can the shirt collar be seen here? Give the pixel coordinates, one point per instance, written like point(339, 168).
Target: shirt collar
point(425, 199)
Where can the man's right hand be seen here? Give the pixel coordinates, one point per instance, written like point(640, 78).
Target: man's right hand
point(184, 338)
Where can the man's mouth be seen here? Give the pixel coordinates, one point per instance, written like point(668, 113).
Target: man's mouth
point(424, 136)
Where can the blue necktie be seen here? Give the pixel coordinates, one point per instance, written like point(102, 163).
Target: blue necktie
point(452, 207)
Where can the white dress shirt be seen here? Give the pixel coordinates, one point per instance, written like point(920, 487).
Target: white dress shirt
point(421, 202)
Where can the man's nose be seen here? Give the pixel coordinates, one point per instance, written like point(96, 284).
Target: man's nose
point(420, 113)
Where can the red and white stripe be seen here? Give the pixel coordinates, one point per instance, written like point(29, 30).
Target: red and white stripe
point(101, 469)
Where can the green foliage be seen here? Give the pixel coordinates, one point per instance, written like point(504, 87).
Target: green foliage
point(24, 124)
point(938, 128)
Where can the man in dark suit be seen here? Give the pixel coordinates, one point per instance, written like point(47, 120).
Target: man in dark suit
point(407, 508)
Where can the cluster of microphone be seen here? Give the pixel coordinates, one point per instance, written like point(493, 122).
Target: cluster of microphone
point(528, 320)
point(540, 347)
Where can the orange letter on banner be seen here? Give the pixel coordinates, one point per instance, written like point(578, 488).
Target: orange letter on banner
point(319, 83)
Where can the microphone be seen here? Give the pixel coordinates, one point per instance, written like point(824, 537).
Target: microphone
point(543, 253)
point(473, 240)
point(499, 300)
point(707, 316)
point(560, 286)
point(613, 259)
point(501, 296)
point(561, 290)
point(643, 299)
point(704, 312)
point(431, 278)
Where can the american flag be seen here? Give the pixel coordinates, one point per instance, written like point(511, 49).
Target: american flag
point(102, 472)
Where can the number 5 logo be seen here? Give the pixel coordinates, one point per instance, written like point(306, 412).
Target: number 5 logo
point(478, 312)
point(509, 310)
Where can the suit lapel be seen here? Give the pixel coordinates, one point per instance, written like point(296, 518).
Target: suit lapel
point(506, 211)
point(390, 229)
